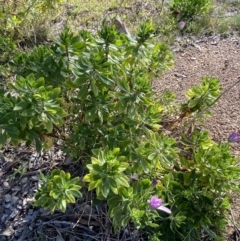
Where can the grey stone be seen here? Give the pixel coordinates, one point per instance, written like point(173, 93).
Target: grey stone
point(8, 231)
point(4, 218)
point(14, 213)
point(72, 239)
point(7, 205)
point(20, 207)
point(35, 178)
point(6, 184)
point(58, 238)
point(8, 211)
point(7, 198)
point(14, 200)
point(30, 211)
point(16, 188)
point(24, 180)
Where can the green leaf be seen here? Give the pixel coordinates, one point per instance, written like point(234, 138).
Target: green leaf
point(100, 116)
point(80, 81)
point(192, 103)
point(125, 220)
point(94, 88)
point(70, 197)
point(87, 178)
point(61, 113)
point(29, 112)
point(153, 156)
point(55, 93)
point(94, 184)
point(106, 187)
point(106, 81)
point(3, 138)
point(20, 106)
point(23, 122)
point(49, 126)
point(15, 142)
point(122, 181)
point(38, 145)
point(63, 205)
point(114, 201)
point(76, 193)
point(123, 192)
point(82, 144)
point(82, 93)
point(91, 114)
point(54, 193)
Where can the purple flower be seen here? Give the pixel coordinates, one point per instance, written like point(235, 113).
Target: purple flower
point(181, 24)
point(234, 137)
point(156, 203)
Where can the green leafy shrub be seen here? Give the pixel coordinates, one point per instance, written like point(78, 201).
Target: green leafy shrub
point(197, 189)
point(132, 143)
point(16, 16)
point(188, 10)
point(57, 190)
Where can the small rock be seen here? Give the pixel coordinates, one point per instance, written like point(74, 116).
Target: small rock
point(72, 239)
point(197, 46)
point(7, 205)
point(35, 178)
point(3, 218)
point(213, 43)
point(3, 238)
point(8, 231)
point(68, 161)
point(30, 211)
point(17, 234)
point(7, 198)
point(20, 207)
point(24, 180)
point(43, 211)
point(14, 213)
point(58, 238)
point(2, 159)
point(16, 188)
point(176, 50)
point(33, 158)
point(17, 224)
point(6, 184)
point(87, 209)
point(25, 192)
point(7, 211)
point(14, 200)
point(28, 218)
point(180, 75)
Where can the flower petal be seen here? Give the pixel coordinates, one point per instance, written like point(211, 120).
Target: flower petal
point(164, 209)
point(234, 137)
